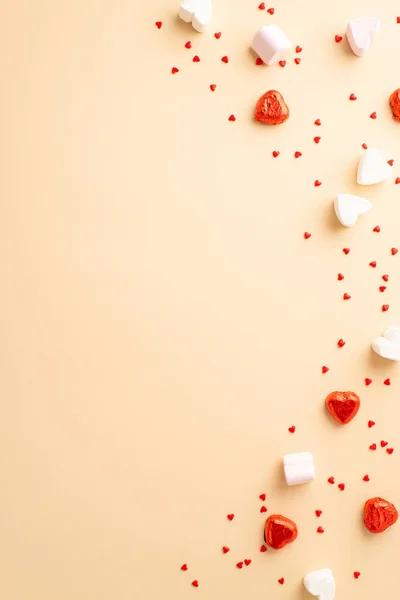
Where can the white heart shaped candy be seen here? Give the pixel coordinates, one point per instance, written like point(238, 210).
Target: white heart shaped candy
point(348, 208)
point(388, 345)
point(360, 32)
point(320, 583)
point(373, 168)
point(196, 12)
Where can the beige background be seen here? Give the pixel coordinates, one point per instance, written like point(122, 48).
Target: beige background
point(163, 320)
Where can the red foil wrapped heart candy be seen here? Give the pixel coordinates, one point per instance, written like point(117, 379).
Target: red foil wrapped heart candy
point(395, 104)
point(343, 406)
point(279, 531)
point(379, 514)
point(271, 109)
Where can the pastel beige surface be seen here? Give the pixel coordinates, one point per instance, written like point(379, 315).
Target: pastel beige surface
point(163, 320)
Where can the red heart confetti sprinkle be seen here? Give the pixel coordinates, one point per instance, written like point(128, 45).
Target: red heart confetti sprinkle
point(341, 486)
point(275, 153)
point(271, 11)
point(385, 307)
point(393, 251)
point(317, 139)
point(372, 264)
point(372, 115)
point(383, 443)
point(281, 580)
point(247, 561)
point(174, 70)
point(225, 549)
point(261, 6)
point(297, 61)
point(372, 447)
point(366, 478)
point(282, 63)
point(331, 480)
point(341, 343)
point(225, 59)
point(263, 509)
point(262, 497)
point(239, 565)
point(196, 58)
point(340, 276)
point(297, 154)
point(317, 183)
point(387, 381)
point(320, 530)
point(292, 429)
point(232, 118)
point(356, 574)
point(195, 583)
point(307, 235)
point(318, 513)
point(338, 38)
point(397, 19)
point(371, 424)
point(364, 146)
point(259, 62)
point(397, 180)
point(376, 229)
point(346, 250)
point(158, 24)
point(217, 35)
point(385, 277)
point(352, 97)
point(263, 548)
point(390, 162)
point(325, 369)
point(213, 87)
point(346, 296)
point(231, 516)
point(389, 450)
point(368, 381)
point(184, 567)
point(382, 288)
point(299, 49)
point(317, 122)
point(188, 44)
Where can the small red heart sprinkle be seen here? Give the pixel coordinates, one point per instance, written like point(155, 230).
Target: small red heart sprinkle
point(174, 70)
point(195, 583)
point(346, 250)
point(317, 122)
point(387, 381)
point(188, 45)
point(263, 509)
point(317, 183)
point(389, 450)
point(372, 264)
point(385, 307)
point(368, 381)
point(338, 38)
point(292, 429)
point(325, 369)
point(352, 97)
point(282, 63)
point(217, 35)
point(397, 180)
point(372, 115)
point(356, 574)
point(320, 530)
point(225, 59)
point(184, 567)
point(372, 447)
point(213, 87)
point(297, 154)
point(394, 251)
point(331, 480)
point(247, 561)
point(262, 497)
point(275, 153)
point(318, 513)
point(364, 146)
point(390, 162)
point(340, 276)
point(341, 343)
point(376, 229)
point(239, 565)
point(159, 24)
point(366, 478)
point(398, 19)
point(382, 288)
point(263, 548)
point(341, 486)
point(230, 517)
point(225, 549)
point(383, 443)
point(307, 235)
point(317, 139)
point(297, 61)
point(371, 424)
point(196, 58)
point(232, 118)
point(261, 6)
point(385, 277)
point(281, 580)
point(346, 296)
point(299, 49)
point(271, 11)
point(259, 62)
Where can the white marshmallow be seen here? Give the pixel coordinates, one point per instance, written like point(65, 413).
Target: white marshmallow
point(388, 345)
point(270, 43)
point(348, 208)
point(320, 583)
point(299, 468)
point(372, 168)
point(196, 12)
point(360, 32)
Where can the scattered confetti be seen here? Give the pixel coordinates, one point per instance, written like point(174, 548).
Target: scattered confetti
point(271, 11)
point(368, 381)
point(366, 478)
point(376, 229)
point(317, 139)
point(158, 24)
point(225, 549)
point(196, 58)
point(397, 180)
point(341, 343)
point(188, 44)
point(282, 63)
point(331, 480)
point(364, 146)
point(356, 574)
point(292, 429)
point(341, 486)
point(263, 548)
point(261, 6)
point(195, 583)
point(275, 153)
point(217, 35)
point(317, 183)
point(372, 447)
point(263, 509)
point(372, 115)
point(382, 288)
point(383, 443)
point(389, 450)
point(393, 251)
point(372, 264)
point(239, 564)
point(317, 122)
point(346, 296)
point(385, 277)
point(262, 497)
point(338, 38)
point(346, 250)
point(307, 235)
point(318, 513)
point(390, 162)
point(371, 424)
point(247, 561)
point(340, 276)
point(232, 118)
point(225, 59)
point(281, 580)
point(231, 517)
point(325, 369)
point(385, 307)
point(352, 97)
point(320, 530)
point(174, 70)
point(297, 61)
point(297, 154)
point(299, 49)
point(184, 567)
point(213, 87)
point(387, 381)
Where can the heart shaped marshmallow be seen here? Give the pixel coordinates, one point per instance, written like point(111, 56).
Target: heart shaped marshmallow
point(196, 12)
point(348, 208)
point(279, 531)
point(320, 583)
point(360, 32)
point(373, 168)
point(343, 406)
point(388, 345)
point(379, 514)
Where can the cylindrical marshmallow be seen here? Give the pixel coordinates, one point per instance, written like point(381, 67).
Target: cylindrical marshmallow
point(299, 468)
point(270, 43)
